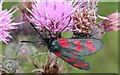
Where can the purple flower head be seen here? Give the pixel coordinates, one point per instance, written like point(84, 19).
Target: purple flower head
point(24, 51)
point(6, 23)
point(53, 16)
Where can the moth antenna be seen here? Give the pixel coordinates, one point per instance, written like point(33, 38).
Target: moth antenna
point(66, 26)
point(37, 31)
point(41, 43)
point(30, 41)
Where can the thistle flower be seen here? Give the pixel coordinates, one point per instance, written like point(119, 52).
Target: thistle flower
point(6, 23)
point(86, 25)
point(53, 16)
point(83, 21)
point(85, 17)
point(111, 23)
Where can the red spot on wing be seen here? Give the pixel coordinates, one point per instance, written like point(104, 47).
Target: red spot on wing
point(63, 42)
point(58, 54)
point(83, 64)
point(65, 45)
point(89, 42)
point(92, 48)
point(74, 54)
point(78, 48)
point(76, 65)
point(70, 60)
point(77, 42)
point(80, 64)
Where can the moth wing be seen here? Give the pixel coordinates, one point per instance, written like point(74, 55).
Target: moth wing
point(76, 61)
point(80, 46)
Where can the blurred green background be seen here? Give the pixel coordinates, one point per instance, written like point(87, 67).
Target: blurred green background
point(106, 60)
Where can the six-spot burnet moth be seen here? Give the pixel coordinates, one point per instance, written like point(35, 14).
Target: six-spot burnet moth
point(71, 50)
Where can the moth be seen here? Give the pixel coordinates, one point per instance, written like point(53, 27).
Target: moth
point(71, 50)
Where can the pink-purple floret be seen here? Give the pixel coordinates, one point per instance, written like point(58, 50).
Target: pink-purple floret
point(6, 23)
point(54, 16)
